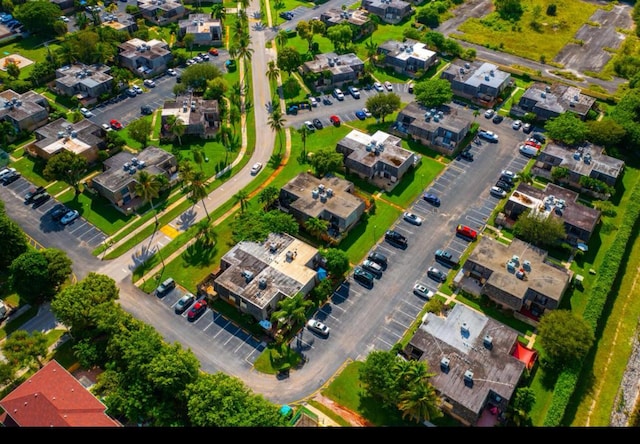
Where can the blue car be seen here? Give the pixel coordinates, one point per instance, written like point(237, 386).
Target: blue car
point(432, 199)
point(361, 115)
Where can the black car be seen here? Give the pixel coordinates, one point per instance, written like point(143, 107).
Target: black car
point(146, 110)
point(445, 257)
point(432, 199)
point(538, 137)
point(466, 155)
point(436, 274)
point(165, 287)
point(40, 199)
point(378, 258)
point(32, 194)
point(498, 118)
point(58, 211)
point(317, 123)
point(507, 179)
point(10, 177)
point(504, 185)
point(395, 238)
point(326, 100)
point(287, 15)
point(363, 277)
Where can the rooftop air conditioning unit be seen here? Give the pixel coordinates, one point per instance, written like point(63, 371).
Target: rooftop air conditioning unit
point(444, 365)
point(262, 283)
point(314, 193)
point(329, 192)
point(134, 160)
point(466, 65)
point(464, 329)
point(543, 94)
point(468, 378)
point(547, 88)
point(141, 164)
point(488, 342)
point(526, 265)
point(247, 275)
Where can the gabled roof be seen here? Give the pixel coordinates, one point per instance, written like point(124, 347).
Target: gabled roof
point(53, 397)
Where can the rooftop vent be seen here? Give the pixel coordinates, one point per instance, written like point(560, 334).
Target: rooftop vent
point(547, 88)
point(543, 94)
point(444, 365)
point(290, 256)
point(464, 329)
point(492, 73)
point(466, 65)
point(321, 187)
point(126, 166)
point(262, 283)
point(132, 170)
point(323, 198)
point(526, 265)
point(247, 275)
point(486, 78)
point(315, 193)
point(488, 342)
point(329, 192)
point(511, 267)
point(576, 155)
point(273, 247)
point(141, 164)
point(515, 259)
point(134, 160)
point(587, 158)
point(468, 378)
point(462, 70)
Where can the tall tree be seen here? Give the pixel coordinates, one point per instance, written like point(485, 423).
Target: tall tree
point(276, 122)
point(148, 187)
point(382, 105)
point(273, 72)
point(304, 133)
point(241, 198)
point(198, 189)
point(26, 349)
point(14, 241)
point(268, 196)
point(175, 126)
point(567, 128)
point(66, 166)
point(291, 311)
point(140, 131)
point(198, 156)
point(540, 230)
point(316, 226)
point(433, 92)
point(564, 337)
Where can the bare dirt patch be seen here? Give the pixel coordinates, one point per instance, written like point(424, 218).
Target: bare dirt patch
point(19, 60)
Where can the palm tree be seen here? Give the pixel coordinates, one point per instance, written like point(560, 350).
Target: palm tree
point(276, 123)
point(420, 402)
point(316, 226)
point(207, 235)
point(218, 11)
point(198, 189)
point(282, 38)
point(273, 72)
point(175, 126)
point(241, 198)
point(186, 170)
point(198, 156)
point(148, 187)
point(268, 196)
point(291, 311)
point(304, 132)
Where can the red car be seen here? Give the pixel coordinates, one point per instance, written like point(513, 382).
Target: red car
point(335, 120)
point(115, 124)
point(466, 232)
point(213, 51)
point(196, 311)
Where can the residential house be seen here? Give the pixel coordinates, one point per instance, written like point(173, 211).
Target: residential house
point(442, 129)
point(255, 276)
point(205, 30)
point(549, 101)
point(390, 11)
point(359, 20)
point(517, 277)
point(199, 116)
point(66, 6)
point(329, 198)
point(146, 59)
point(480, 82)
point(118, 180)
point(26, 112)
point(330, 70)
point(120, 21)
point(378, 158)
point(84, 138)
point(85, 82)
point(409, 57)
point(555, 201)
point(476, 363)
point(161, 12)
point(587, 160)
point(53, 397)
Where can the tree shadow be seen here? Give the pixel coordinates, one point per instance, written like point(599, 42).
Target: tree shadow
point(197, 254)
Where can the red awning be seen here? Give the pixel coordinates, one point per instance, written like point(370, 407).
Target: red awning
point(526, 355)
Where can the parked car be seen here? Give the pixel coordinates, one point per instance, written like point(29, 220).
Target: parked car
point(317, 123)
point(355, 92)
point(504, 185)
point(363, 277)
point(137, 89)
point(318, 327)
point(367, 112)
point(372, 267)
point(40, 199)
point(497, 118)
point(466, 232)
point(213, 51)
point(388, 85)
point(309, 125)
point(361, 115)
point(165, 287)
point(412, 218)
point(395, 238)
point(6, 171)
point(378, 87)
point(131, 92)
point(528, 150)
point(146, 110)
point(432, 199)
point(313, 101)
point(436, 274)
point(446, 257)
point(184, 302)
point(287, 15)
point(255, 168)
point(32, 194)
point(149, 83)
point(86, 113)
point(497, 192)
point(11, 177)
point(539, 137)
point(466, 155)
point(172, 72)
point(197, 310)
point(517, 124)
point(326, 100)
point(488, 136)
point(58, 211)
point(106, 127)
point(527, 128)
point(115, 124)
point(379, 259)
point(489, 113)
point(422, 291)
point(69, 217)
point(510, 174)
point(338, 94)
point(335, 120)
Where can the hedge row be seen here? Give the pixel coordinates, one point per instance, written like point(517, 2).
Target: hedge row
point(607, 274)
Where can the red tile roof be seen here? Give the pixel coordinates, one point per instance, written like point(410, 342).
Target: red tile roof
point(53, 397)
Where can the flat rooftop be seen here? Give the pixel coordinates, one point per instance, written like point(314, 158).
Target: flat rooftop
point(585, 159)
point(477, 73)
point(117, 176)
point(388, 148)
point(431, 119)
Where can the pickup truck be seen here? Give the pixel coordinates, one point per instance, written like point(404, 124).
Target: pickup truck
point(395, 238)
point(446, 258)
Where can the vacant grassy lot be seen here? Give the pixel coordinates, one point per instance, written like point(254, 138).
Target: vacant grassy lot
point(535, 34)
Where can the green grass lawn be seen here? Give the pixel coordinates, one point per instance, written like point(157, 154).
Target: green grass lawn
point(520, 38)
point(97, 210)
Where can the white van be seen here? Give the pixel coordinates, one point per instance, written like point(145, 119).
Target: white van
point(528, 150)
point(6, 171)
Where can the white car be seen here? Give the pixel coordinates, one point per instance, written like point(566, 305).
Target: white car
point(378, 86)
point(509, 174)
point(310, 126)
point(388, 85)
point(69, 217)
point(366, 112)
point(412, 218)
point(85, 112)
point(498, 192)
point(318, 327)
point(137, 89)
point(422, 291)
point(106, 127)
point(338, 94)
point(172, 72)
point(255, 168)
point(489, 113)
point(314, 101)
point(516, 124)
point(150, 83)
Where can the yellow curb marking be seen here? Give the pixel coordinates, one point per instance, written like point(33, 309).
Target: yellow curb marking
point(170, 231)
